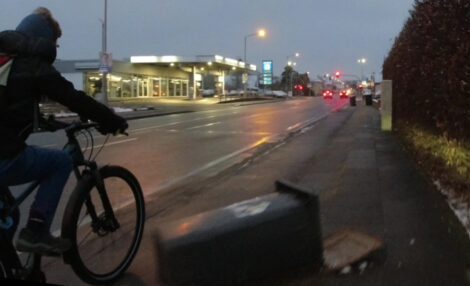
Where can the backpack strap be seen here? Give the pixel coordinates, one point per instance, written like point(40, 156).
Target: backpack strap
point(5, 65)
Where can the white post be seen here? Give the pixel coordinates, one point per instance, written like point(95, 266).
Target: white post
point(223, 82)
point(194, 93)
point(386, 105)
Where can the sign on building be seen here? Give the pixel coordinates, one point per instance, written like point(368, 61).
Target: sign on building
point(106, 63)
point(267, 72)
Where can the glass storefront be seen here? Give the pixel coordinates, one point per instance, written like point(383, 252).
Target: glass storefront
point(164, 86)
point(136, 86)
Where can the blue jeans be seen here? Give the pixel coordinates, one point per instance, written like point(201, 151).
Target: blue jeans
point(50, 167)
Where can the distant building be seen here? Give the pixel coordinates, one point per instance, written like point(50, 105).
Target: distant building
point(152, 76)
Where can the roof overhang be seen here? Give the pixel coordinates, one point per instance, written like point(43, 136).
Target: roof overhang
point(211, 61)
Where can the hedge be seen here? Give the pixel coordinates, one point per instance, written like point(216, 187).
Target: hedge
point(429, 65)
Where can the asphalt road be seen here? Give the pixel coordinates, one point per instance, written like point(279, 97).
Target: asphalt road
point(166, 150)
point(182, 148)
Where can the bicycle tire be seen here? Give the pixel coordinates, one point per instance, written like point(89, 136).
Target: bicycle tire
point(72, 224)
point(6, 238)
point(4, 271)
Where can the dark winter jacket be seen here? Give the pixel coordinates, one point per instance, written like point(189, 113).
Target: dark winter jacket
point(31, 77)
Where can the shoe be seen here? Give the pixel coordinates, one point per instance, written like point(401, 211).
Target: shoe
point(41, 243)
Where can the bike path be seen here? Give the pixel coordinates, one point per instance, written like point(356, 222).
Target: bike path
point(364, 179)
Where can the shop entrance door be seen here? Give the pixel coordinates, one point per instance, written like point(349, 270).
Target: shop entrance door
point(143, 90)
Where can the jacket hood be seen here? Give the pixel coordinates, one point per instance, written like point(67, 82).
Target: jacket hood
point(36, 25)
point(19, 44)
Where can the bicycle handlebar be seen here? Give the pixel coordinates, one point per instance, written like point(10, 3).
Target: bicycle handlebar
point(78, 125)
point(73, 127)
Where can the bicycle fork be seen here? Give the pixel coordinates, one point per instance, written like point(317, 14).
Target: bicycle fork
point(105, 222)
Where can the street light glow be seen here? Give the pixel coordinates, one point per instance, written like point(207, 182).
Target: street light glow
point(261, 33)
point(297, 55)
point(362, 61)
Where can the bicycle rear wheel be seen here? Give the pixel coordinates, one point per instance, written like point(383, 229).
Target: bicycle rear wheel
point(4, 271)
point(103, 248)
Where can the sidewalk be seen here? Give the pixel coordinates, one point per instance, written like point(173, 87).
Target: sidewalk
point(364, 180)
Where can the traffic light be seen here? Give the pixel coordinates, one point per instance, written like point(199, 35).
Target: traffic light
point(337, 74)
point(360, 87)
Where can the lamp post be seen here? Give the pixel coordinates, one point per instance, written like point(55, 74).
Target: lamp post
point(290, 63)
point(260, 33)
point(362, 62)
point(104, 84)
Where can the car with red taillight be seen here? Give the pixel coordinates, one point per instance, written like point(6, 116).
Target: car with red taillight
point(327, 93)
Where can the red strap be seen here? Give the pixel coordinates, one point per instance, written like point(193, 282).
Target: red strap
point(4, 59)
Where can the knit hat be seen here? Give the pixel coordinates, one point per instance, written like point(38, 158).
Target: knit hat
point(40, 24)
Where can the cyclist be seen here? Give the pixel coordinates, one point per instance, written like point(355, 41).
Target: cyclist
point(32, 76)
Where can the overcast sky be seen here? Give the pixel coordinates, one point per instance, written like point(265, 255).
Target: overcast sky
point(330, 34)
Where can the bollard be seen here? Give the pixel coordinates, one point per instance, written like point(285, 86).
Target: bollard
point(352, 100)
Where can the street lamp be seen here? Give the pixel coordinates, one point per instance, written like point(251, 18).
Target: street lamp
point(260, 33)
point(362, 62)
point(290, 63)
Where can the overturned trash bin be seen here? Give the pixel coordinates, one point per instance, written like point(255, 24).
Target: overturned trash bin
point(248, 240)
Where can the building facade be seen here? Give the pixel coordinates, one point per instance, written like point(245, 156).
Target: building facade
point(151, 76)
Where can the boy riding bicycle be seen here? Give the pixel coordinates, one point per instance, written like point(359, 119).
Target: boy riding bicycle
point(33, 50)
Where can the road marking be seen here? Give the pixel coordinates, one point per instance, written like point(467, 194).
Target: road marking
point(208, 165)
point(305, 122)
point(137, 130)
point(49, 145)
point(204, 125)
point(172, 123)
point(213, 163)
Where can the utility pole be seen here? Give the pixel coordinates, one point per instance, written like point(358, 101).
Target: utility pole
point(104, 86)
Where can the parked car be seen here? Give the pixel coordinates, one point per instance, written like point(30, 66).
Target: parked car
point(279, 93)
point(208, 93)
point(366, 92)
point(343, 93)
point(327, 94)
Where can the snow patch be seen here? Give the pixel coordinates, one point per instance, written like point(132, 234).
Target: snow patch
point(346, 270)
point(458, 204)
point(63, 114)
point(121, 109)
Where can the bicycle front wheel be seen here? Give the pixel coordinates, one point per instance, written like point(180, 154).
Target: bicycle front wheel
point(104, 239)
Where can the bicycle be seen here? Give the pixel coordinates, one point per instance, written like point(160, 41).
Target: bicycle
point(95, 220)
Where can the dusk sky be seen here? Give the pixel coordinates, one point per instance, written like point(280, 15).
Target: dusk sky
point(329, 35)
